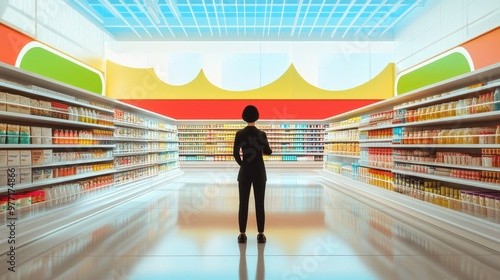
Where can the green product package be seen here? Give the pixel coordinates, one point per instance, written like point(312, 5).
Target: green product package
point(12, 134)
point(24, 135)
point(3, 133)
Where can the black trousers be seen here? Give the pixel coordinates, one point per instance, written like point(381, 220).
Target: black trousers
point(259, 190)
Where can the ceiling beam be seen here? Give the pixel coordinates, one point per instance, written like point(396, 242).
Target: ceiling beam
point(217, 17)
point(237, 16)
point(304, 19)
point(356, 18)
point(342, 19)
point(264, 24)
point(270, 20)
point(281, 18)
point(370, 17)
point(115, 12)
point(316, 19)
point(223, 15)
point(84, 7)
point(413, 6)
point(329, 17)
point(175, 11)
point(135, 18)
point(147, 13)
point(296, 18)
point(194, 17)
point(208, 18)
point(395, 7)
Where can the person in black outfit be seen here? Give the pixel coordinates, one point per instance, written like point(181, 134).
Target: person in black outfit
point(252, 142)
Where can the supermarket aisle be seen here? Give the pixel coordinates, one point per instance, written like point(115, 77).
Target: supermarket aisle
point(188, 229)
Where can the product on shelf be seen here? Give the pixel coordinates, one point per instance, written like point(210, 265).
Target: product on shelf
point(217, 140)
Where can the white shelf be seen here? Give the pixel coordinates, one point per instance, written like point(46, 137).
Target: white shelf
point(51, 146)
point(274, 154)
point(467, 226)
point(125, 139)
point(121, 154)
point(341, 141)
point(37, 93)
point(166, 161)
point(133, 167)
point(376, 145)
point(132, 125)
point(452, 95)
point(268, 131)
point(344, 156)
point(454, 180)
point(42, 120)
point(296, 154)
point(376, 127)
point(59, 180)
point(376, 167)
point(295, 141)
point(352, 126)
point(375, 140)
point(456, 166)
point(481, 117)
point(77, 162)
point(294, 133)
point(458, 146)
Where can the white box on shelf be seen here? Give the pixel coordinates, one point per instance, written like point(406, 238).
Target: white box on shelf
point(12, 103)
point(47, 156)
point(46, 136)
point(24, 105)
point(25, 175)
point(3, 177)
point(35, 107)
point(45, 108)
point(3, 99)
point(13, 158)
point(3, 159)
point(25, 157)
point(36, 135)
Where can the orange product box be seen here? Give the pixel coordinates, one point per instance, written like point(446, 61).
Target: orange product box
point(37, 157)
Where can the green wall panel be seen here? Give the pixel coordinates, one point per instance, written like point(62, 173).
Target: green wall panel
point(51, 65)
point(439, 70)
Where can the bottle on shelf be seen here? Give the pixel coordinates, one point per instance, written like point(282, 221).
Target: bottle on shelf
point(496, 99)
point(497, 135)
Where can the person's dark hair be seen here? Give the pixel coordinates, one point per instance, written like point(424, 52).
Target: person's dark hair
point(250, 114)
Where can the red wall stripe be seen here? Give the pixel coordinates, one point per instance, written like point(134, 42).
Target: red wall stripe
point(11, 44)
point(231, 109)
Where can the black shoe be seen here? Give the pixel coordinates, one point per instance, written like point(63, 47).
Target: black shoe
point(242, 238)
point(261, 238)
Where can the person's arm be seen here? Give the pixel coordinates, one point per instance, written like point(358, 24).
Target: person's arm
point(236, 149)
point(267, 149)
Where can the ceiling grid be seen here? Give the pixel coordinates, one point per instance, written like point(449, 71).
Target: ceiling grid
point(282, 20)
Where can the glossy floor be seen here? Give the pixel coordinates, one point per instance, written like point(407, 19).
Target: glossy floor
point(188, 230)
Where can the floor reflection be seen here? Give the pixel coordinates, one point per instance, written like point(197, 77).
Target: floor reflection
point(188, 230)
point(260, 270)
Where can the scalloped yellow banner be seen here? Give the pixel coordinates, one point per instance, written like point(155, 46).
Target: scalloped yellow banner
point(127, 83)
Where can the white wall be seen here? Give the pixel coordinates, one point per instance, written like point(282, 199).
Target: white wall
point(442, 25)
point(59, 26)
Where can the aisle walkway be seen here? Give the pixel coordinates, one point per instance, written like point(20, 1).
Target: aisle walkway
point(188, 230)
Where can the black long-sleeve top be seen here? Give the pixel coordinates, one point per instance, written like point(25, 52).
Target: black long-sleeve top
point(253, 143)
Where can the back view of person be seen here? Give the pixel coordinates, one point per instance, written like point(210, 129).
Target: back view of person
point(253, 144)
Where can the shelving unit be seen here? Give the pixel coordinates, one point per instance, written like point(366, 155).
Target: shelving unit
point(443, 151)
point(299, 143)
point(58, 137)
